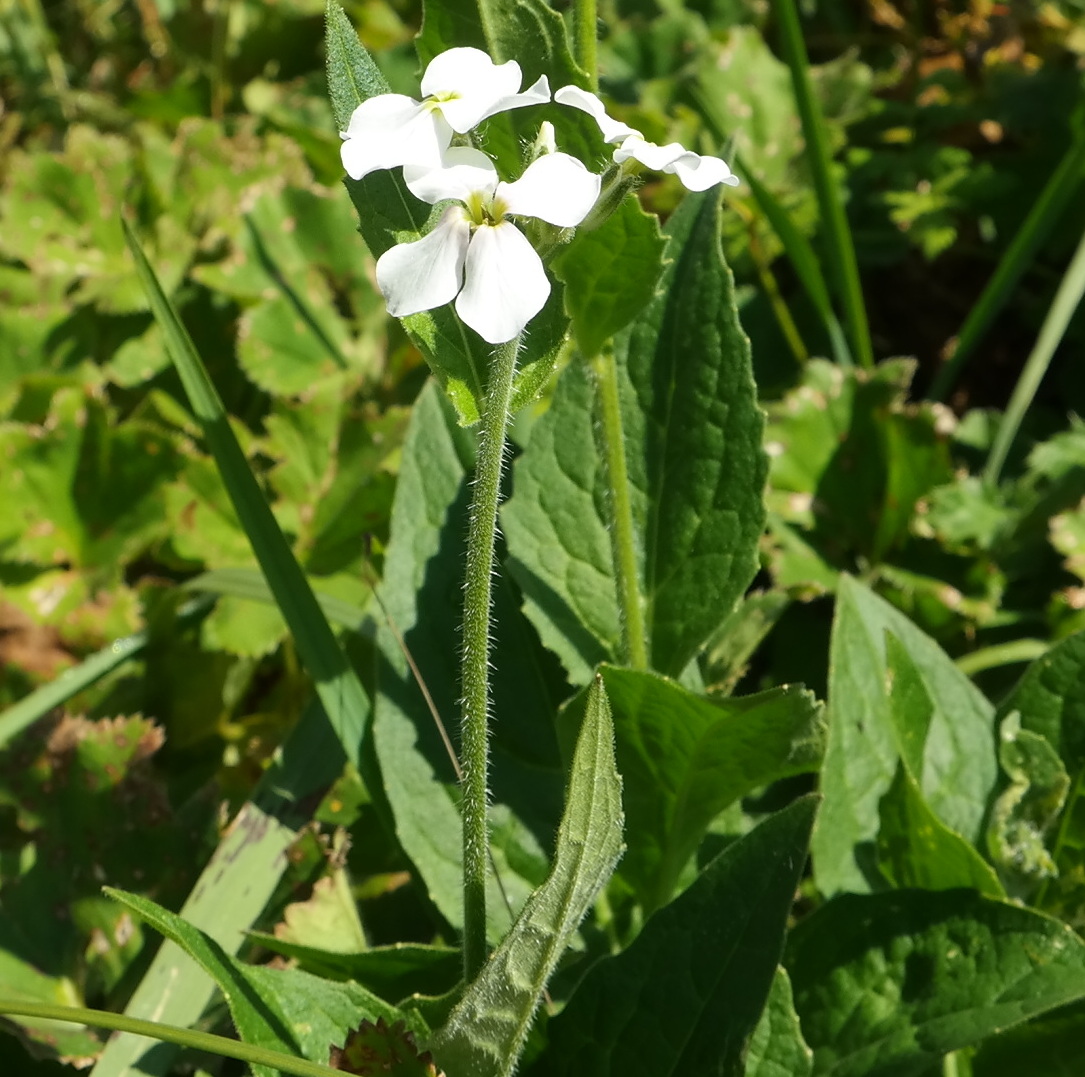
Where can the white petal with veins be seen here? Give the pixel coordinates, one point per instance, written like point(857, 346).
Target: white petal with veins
point(428, 272)
point(699, 173)
point(505, 284)
point(555, 188)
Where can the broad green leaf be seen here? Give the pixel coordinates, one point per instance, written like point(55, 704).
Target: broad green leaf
point(777, 1048)
point(485, 1032)
point(555, 525)
point(886, 984)
point(232, 890)
point(684, 758)
point(1050, 698)
point(686, 995)
point(692, 441)
point(959, 769)
point(1027, 810)
point(610, 275)
point(849, 443)
point(283, 1009)
point(422, 594)
point(916, 849)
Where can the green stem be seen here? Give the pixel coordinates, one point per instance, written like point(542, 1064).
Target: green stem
point(185, 1037)
point(586, 36)
point(834, 220)
point(634, 645)
point(478, 594)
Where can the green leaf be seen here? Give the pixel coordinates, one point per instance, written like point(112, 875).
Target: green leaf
point(916, 849)
point(687, 993)
point(422, 594)
point(777, 1048)
point(958, 772)
point(850, 443)
point(886, 984)
point(610, 274)
point(486, 1030)
point(684, 758)
point(1027, 810)
point(283, 1009)
point(1050, 697)
point(345, 701)
point(692, 439)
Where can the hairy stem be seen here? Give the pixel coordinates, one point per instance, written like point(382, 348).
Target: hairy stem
point(586, 35)
point(634, 643)
point(477, 602)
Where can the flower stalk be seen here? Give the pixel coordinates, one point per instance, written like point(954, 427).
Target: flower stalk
point(477, 606)
point(634, 643)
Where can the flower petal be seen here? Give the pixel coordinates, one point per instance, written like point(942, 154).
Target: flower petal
point(613, 130)
point(465, 171)
point(466, 83)
point(426, 273)
point(555, 187)
point(538, 93)
point(505, 284)
point(699, 173)
point(657, 158)
point(391, 129)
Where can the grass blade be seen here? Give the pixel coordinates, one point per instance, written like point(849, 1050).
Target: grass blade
point(833, 219)
point(344, 699)
point(1065, 303)
point(182, 1037)
point(1048, 208)
point(805, 261)
point(72, 681)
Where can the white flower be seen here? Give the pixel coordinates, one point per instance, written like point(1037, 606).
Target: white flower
point(696, 172)
point(460, 89)
point(476, 255)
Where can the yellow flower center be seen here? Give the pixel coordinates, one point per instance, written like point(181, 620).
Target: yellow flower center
point(484, 209)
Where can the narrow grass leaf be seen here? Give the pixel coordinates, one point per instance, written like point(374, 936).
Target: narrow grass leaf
point(486, 1030)
point(687, 994)
point(806, 264)
point(887, 984)
point(834, 220)
point(72, 681)
point(1046, 211)
point(344, 699)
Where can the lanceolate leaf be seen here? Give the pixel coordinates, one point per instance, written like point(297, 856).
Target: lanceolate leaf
point(692, 438)
point(686, 995)
point(684, 758)
point(959, 769)
point(886, 984)
point(485, 1032)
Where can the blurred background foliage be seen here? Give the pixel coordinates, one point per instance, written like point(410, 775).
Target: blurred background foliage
point(207, 123)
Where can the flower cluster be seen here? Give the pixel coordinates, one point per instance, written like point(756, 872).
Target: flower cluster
point(476, 256)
